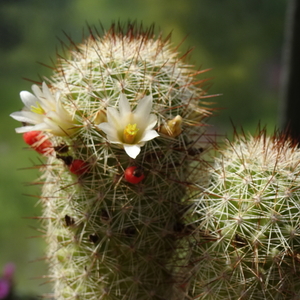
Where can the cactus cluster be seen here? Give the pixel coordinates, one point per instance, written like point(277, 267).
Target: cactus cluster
point(120, 122)
point(249, 221)
point(132, 208)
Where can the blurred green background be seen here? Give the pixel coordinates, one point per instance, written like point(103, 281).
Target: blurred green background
point(241, 40)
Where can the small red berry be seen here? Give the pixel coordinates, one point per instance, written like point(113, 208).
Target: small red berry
point(38, 141)
point(78, 167)
point(134, 174)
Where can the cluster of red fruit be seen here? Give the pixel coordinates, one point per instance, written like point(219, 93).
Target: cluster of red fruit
point(41, 144)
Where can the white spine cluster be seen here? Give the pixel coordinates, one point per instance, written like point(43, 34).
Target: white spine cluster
point(249, 215)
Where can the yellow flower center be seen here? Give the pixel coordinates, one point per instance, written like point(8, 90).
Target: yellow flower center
point(129, 133)
point(37, 109)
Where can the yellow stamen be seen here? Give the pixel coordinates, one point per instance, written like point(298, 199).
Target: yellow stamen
point(129, 133)
point(37, 109)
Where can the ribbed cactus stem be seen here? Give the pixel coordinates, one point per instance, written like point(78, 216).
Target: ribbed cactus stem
point(249, 216)
point(123, 113)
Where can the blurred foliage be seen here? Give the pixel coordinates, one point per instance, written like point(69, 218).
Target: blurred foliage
point(240, 40)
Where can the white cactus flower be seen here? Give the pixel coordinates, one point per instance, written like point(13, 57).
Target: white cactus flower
point(45, 111)
point(131, 129)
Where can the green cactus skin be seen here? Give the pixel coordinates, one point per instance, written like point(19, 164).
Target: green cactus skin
point(249, 247)
point(109, 238)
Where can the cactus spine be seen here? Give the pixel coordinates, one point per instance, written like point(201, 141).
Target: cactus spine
point(116, 102)
point(249, 243)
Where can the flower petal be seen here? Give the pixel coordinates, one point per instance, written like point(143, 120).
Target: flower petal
point(56, 128)
point(27, 117)
point(151, 122)
point(37, 91)
point(46, 92)
point(145, 122)
point(149, 135)
point(113, 117)
point(24, 129)
point(109, 130)
point(62, 111)
point(144, 107)
point(45, 97)
point(124, 106)
point(28, 99)
point(132, 150)
point(39, 127)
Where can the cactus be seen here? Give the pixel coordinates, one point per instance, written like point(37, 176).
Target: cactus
point(248, 219)
point(119, 123)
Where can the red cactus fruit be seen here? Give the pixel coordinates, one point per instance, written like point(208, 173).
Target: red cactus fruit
point(134, 175)
point(38, 141)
